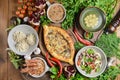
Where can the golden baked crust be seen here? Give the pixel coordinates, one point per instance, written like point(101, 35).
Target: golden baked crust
point(59, 44)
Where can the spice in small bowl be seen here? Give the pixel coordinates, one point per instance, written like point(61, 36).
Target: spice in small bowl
point(56, 13)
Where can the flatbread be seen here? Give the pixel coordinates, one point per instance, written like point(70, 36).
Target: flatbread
point(59, 44)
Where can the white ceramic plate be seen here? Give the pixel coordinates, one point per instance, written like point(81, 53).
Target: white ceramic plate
point(27, 30)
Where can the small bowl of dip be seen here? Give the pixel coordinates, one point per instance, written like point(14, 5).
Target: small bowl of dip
point(56, 13)
point(92, 19)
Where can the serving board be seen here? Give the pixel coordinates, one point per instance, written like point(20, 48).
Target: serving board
point(44, 50)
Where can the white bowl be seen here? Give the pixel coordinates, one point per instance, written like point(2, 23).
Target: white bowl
point(27, 30)
point(103, 58)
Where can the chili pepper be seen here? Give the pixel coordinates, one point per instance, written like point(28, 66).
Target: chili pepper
point(60, 65)
point(49, 62)
point(88, 35)
point(36, 28)
point(85, 42)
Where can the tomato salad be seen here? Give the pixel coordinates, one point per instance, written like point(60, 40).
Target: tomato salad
point(89, 61)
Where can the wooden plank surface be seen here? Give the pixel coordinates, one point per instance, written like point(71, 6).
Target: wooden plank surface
point(13, 74)
point(3, 39)
point(7, 70)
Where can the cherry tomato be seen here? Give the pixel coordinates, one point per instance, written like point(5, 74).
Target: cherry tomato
point(28, 4)
point(30, 0)
point(36, 28)
point(34, 9)
point(30, 12)
point(29, 8)
point(25, 1)
point(21, 15)
point(23, 11)
point(32, 4)
point(19, 8)
point(17, 12)
point(20, 1)
point(24, 7)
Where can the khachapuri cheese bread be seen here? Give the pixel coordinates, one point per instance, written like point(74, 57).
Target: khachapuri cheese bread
point(59, 43)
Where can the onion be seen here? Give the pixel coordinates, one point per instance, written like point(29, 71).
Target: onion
point(69, 71)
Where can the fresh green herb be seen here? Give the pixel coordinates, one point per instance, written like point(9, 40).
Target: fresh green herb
point(54, 71)
point(13, 22)
point(73, 6)
point(83, 67)
point(78, 76)
point(9, 28)
point(110, 74)
point(109, 44)
point(98, 69)
point(90, 51)
point(88, 69)
point(62, 77)
point(18, 21)
point(44, 20)
point(78, 45)
point(88, 35)
point(15, 59)
point(89, 60)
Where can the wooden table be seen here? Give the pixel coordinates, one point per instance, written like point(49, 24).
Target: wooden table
point(7, 70)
